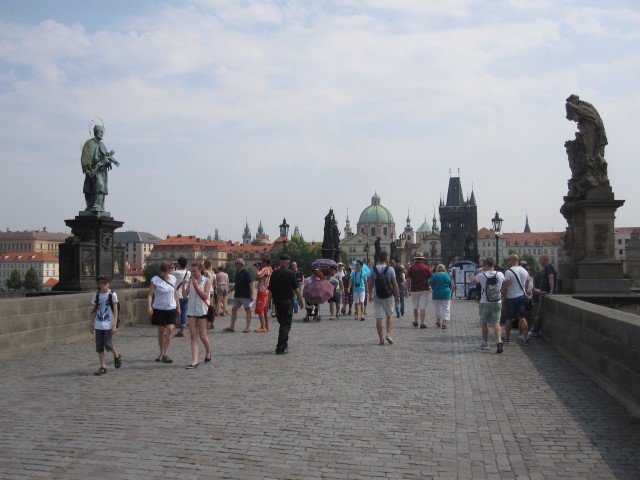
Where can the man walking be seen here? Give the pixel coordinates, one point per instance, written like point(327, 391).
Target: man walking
point(383, 291)
point(547, 287)
point(417, 284)
point(243, 297)
point(490, 303)
point(282, 288)
point(513, 289)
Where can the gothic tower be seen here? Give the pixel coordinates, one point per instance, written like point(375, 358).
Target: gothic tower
point(246, 236)
point(459, 225)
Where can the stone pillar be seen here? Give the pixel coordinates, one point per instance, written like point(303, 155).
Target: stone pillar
point(591, 266)
point(90, 253)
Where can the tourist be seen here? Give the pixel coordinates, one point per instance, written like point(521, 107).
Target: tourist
point(418, 288)
point(441, 285)
point(400, 278)
point(262, 297)
point(282, 287)
point(338, 287)
point(197, 291)
point(211, 275)
point(182, 276)
point(243, 288)
point(165, 307)
point(383, 291)
point(359, 288)
point(547, 287)
point(104, 323)
point(515, 278)
point(491, 302)
point(300, 279)
point(222, 290)
point(347, 296)
point(313, 310)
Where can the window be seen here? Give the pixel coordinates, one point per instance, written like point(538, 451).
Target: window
point(373, 231)
point(385, 231)
point(620, 252)
point(626, 241)
point(619, 241)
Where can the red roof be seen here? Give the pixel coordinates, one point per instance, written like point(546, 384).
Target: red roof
point(28, 257)
point(50, 283)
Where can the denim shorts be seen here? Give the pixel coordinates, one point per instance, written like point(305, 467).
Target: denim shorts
point(104, 341)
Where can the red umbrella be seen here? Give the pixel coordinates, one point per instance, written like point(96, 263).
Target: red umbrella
point(318, 292)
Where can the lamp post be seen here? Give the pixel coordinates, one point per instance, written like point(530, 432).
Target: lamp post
point(284, 233)
point(366, 250)
point(496, 222)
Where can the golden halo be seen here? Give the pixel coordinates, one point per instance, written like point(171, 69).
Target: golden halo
point(92, 123)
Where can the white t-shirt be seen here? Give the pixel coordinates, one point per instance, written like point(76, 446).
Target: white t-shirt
point(104, 314)
point(515, 290)
point(164, 298)
point(180, 275)
point(196, 306)
point(482, 280)
point(391, 274)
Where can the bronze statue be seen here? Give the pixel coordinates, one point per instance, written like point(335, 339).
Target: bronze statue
point(96, 161)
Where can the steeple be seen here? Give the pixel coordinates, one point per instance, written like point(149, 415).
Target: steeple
point(347, 229)
point(527, 228)
point(472, 200)
point(434, 224)
point(246, 236)
point(260, 230)
point(296, 233)
point(216, 237)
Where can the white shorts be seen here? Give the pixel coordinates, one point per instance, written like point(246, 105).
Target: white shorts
point(358, 297)
point(384, 307)
point(420, 299)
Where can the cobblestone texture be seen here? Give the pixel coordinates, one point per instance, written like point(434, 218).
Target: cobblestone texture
point(337, 407)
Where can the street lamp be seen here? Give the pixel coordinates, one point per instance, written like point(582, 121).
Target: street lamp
point(496, 222)
point(366, 250)
point(284, 232)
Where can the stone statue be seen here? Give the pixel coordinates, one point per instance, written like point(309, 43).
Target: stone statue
point(586, 152)
point(96, 161)
point(377, 250)
point(469, 247)
point(393, 251)
point(335, 238)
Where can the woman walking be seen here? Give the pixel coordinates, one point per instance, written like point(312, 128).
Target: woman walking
point(222, 289)
point(163, 305)
point(441, 285)
point(197, 291)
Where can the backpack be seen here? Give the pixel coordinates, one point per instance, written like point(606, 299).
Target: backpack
point(382, 283)
point(492, 290)
point(109, 301)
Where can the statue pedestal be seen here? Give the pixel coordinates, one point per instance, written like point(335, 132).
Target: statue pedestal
point(90, 253)
point(592, 266)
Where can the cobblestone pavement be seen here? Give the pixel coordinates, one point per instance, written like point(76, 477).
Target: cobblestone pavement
point(338, 407)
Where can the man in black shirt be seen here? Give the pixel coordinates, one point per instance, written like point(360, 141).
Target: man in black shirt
point(282, 287)
point(243, 287)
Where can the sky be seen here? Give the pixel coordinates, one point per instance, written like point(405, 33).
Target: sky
point(224, 112)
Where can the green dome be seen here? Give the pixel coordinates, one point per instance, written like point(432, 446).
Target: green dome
point(375, 213)
point(424, 228)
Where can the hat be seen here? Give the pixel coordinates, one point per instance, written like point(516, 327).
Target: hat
point(340, 264)
point(285, 257)
point(316, 269)
point(103, 277)
point(418, 256)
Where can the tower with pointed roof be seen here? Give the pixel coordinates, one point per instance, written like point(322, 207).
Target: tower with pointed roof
point(347, 229)
point(216, 237)
point(527, 228)
point(261, 235)
point(296, 233)
point(246, 236)
point(458, 223)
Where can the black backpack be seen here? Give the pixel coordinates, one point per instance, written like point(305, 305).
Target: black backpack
point(109, 301)
point(382, 283)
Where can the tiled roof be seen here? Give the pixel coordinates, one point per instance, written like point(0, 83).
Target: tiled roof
point(34, 235)
point(50, 283)
point(28, 257)
point(135, 237)
point(625, 229)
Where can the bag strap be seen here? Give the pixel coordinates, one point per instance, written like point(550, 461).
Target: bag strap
point(519, 282)
point(183, 279)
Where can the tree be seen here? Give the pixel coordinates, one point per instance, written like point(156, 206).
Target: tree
point(32, 280)
point(14, 282)
point(150, 271)
point(301, 252)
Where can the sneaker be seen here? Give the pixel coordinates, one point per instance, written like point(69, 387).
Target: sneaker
point(485, 346)
point(167, 359)
point(499, 350)
point(389, 340)
point(533, 334)
point(506, 341)
point(415, 324)
point(261, 330)
point(524, 343)
point(117, 362)
point(422, 325)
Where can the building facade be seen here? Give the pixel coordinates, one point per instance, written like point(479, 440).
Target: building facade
point(32, 241)
point(137, 246)
point(45, 265)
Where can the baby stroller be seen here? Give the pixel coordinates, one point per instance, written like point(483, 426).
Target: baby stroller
point(313, 313)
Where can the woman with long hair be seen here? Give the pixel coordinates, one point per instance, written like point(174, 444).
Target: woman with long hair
point(197, 291)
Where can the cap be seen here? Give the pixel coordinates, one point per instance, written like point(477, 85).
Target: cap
point(103, 277)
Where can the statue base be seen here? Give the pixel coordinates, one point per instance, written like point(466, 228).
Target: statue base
point(592, 266)
point(90, 253)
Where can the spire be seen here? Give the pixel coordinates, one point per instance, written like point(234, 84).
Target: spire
point(347, 229)
point(527, 228)
point(434, 224)
point(296, 233)
point(216, 237)
point(472, 200)
point(260, 229)
point(246, 236)
point(408, 219)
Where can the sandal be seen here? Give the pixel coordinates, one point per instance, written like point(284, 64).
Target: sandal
point(117, 362)
point(101, 371)
point(444, 326)
point(166, 359)
point(228, 329)
point(207, 359)
point(438, 324)
point(246, 330)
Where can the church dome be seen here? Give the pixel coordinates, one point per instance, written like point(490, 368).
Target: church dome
point(375, 213)
point(424, 228)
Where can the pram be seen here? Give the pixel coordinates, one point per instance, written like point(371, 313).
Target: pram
point(313, 313)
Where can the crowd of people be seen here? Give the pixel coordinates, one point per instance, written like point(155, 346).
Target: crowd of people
point(190, 298)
